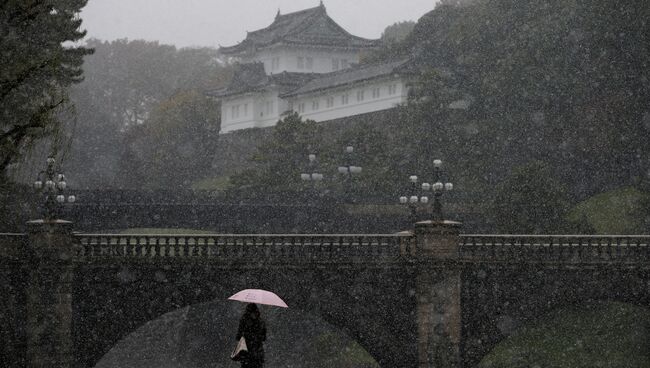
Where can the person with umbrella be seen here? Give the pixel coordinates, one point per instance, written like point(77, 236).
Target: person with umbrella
point(251, 326)
point(253, 329)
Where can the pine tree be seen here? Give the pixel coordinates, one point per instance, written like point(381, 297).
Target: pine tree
point(39, 61)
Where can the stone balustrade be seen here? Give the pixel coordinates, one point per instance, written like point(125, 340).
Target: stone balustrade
point(286, 249)
point(567, 249)
point(344, 248)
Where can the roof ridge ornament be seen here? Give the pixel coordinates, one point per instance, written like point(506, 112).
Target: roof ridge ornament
point(278, 14)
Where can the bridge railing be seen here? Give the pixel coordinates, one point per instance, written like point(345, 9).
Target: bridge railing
point(288, 249)
point(12, 245)
point(555, 248)
point(342, 248)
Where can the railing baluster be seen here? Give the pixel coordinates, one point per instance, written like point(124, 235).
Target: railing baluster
point(554, 248)
point(365, 248)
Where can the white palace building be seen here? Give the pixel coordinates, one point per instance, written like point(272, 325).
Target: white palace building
point(307, 63)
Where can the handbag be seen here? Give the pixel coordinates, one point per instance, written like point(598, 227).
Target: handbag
point(240, 350)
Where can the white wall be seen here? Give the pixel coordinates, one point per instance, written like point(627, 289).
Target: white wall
point(388, 97)
point(249, 111)
point(264, 109)
point(287, 60)
point(237, 113)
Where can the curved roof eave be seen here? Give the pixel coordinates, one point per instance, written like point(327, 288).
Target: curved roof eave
point(393, 69)
point(297, 92)
point(237, 50)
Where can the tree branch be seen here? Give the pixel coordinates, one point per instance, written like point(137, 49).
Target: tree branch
point(8, 87)
point(18, 132)
point(33, 121)
point(27, 13)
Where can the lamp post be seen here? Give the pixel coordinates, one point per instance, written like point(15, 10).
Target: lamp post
point(413, 199)
point(349, 170)
point(52, 184)
point(438, 188)
point(311, 175)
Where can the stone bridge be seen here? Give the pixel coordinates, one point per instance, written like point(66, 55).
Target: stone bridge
point(429, 297)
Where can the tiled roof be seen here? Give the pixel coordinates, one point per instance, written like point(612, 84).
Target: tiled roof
point(352, 75)
point(251, 77)
point(312, 27)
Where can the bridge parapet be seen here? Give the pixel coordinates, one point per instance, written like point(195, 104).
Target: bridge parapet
point(340, 248)
point(281, 249)
point(631, 250)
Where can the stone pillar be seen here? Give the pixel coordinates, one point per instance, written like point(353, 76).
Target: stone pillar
point(438, 290)
point(49, 295)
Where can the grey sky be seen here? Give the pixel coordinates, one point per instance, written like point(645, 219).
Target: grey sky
point(225, 22)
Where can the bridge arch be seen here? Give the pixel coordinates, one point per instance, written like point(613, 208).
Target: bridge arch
point(372, 306)
point(590, 334)
point(203, 335)
point(500, 301)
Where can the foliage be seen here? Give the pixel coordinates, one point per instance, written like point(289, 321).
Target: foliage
point(38, 64)
point(371, 153)
point(125, 82)
point(619, 211)
point(499, 83)
point(529, 201)
point(392, 43)
point(279, 161)
point(131, 77)
point(601, 335)
point(397, 32)
point(175, 145)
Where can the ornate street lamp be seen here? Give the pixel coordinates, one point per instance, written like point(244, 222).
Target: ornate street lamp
point(52, 185)
point(438, 188)
point(412, 200)
point(312, 176)
point(349, 170)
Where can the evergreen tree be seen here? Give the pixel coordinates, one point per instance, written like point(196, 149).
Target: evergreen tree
point(556, 81)
point(175, 145)
point(530, 201)
point(38, 64)
point(126, 81)
point(278, 162)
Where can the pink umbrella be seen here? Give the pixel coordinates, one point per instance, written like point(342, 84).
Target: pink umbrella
point(259, 296)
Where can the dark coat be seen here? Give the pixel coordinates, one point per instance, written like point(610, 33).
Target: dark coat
point(253, 329)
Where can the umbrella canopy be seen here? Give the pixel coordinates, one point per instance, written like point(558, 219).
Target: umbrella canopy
point(259, 296)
